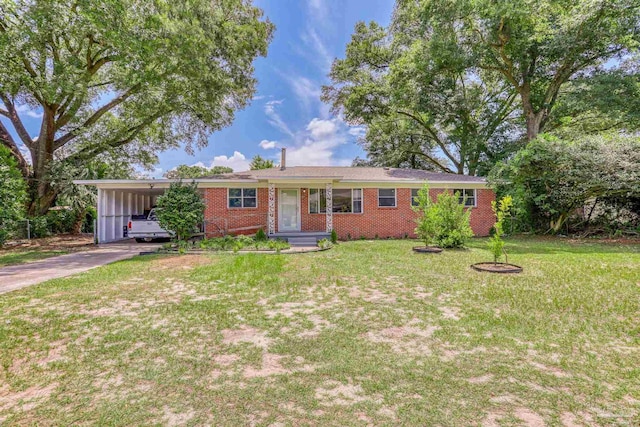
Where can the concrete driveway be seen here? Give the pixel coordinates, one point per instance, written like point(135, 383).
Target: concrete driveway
point(23, 275)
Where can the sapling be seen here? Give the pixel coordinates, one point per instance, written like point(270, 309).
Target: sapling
point(501, 210)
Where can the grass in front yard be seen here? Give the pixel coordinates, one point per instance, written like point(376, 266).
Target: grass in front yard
point(366, 333)
point(20, 257)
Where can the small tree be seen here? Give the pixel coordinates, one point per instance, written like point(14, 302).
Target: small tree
point(13, 194)
point(180, 209)
point(495, 243)
point(427, 222)
point(452, 221)
point(259, 163)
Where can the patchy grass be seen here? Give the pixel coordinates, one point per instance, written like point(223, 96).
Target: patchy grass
point(20, 257)
point(367, 333)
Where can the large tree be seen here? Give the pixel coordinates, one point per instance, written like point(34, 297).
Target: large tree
point(257, 162)
point(130, 77)
point(195, 171)
point(536, 46)
point(423, 106)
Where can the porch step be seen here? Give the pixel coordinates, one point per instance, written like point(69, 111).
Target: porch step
point(302, 241)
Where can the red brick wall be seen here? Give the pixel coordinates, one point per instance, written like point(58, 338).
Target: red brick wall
point(219, 219)
point(374, 221)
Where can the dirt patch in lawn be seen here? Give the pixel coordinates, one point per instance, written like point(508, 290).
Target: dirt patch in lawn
point(408, 339)
point(335, 393)
point(246, 334)
point(27, 399)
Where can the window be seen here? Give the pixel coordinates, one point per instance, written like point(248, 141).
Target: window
point(386, 197)
point(414, 196)
point(466, 196)
point(243, 198)
point(345, 200)
point(317, 201)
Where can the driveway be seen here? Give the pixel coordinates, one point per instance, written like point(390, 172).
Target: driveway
point(23, 275)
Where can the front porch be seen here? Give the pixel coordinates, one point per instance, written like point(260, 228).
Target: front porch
point(288, 215)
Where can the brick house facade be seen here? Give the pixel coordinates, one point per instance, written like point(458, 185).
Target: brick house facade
point(354, 201)
point(370, 221)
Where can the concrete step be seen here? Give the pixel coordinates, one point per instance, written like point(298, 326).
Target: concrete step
point(302, 241)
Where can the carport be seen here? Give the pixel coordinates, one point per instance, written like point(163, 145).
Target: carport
point(119, 199)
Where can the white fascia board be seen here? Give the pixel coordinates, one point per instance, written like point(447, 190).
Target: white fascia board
point(414, 183)
point(143, 183)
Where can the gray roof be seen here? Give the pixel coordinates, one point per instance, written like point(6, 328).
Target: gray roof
point(352, 174)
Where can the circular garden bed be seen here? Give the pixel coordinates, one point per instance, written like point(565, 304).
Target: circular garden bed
point(497, 267)
point(427, 249)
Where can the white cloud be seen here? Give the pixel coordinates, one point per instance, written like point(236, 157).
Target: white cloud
point(321, 140)
point(357, 131)
point(258, 97)
point(238, 162)
point(25, 109)
point(265, 144)
point(318, 52)
point(274, 118)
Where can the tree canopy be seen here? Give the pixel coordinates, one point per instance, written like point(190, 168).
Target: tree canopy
point(126, 77)
point(258, 162)
point(456, 86)
point(195, 171)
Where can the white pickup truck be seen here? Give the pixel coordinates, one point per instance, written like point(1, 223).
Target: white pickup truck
point(145, 228)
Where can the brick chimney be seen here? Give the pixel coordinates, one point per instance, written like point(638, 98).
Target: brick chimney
point(283, 159)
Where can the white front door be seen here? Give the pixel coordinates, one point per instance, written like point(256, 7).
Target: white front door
point(288, 210)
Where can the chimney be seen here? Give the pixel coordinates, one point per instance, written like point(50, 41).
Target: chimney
point(283, 159)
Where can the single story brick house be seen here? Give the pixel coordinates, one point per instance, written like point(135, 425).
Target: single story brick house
point(302, 200)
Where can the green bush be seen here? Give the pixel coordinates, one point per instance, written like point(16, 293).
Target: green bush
point(261, 236)
point(180, 209)
point(230, 243)
point(334, 237)
point(39, 226)
point(4, 236)
point(445, 222)
point(60, 221)
point(325, 244)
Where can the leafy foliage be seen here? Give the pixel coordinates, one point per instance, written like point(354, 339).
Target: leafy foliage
point(240, 242)
point(123, 76)
point(427, 221)
point(191, 172)
point(445, 222)
point(551, 179)
point(259, 163)
point(180, 209)
point(421, 110)
point(13, 194)
point(334, 236)
point(261, 236)
point(501, 211)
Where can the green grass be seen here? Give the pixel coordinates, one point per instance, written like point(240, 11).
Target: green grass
point(366, 333)
point(20, 257)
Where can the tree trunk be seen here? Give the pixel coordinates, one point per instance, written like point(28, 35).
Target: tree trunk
point(43, 195)
point(79, 220)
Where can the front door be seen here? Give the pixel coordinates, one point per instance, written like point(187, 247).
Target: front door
point(288, 210)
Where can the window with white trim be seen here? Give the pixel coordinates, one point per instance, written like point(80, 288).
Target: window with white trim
point(466, 196)
point(345, 200)
point(386, 197)
point(414, 196)
point(243, 197)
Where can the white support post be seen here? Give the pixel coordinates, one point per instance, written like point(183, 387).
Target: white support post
point(271, 220)
point(329, 195)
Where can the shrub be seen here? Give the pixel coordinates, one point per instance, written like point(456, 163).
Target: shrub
point(427, 222)
point(445, 222)
point(180, 209)
point(325, 244)
point(495, 243)
point(39, 227)
point(4, 235)
point(60, 221)
point(334, 237)
point(261, 236)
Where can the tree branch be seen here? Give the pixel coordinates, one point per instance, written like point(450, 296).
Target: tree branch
point(15, 120)
point(7, 141)
point(94, 118)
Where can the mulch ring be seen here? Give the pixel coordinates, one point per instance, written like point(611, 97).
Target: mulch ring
point(497, 267)
point(427, 249)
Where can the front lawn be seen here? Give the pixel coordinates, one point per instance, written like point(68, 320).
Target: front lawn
point(366, 333)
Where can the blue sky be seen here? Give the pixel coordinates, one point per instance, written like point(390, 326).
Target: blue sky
point(286, 110)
